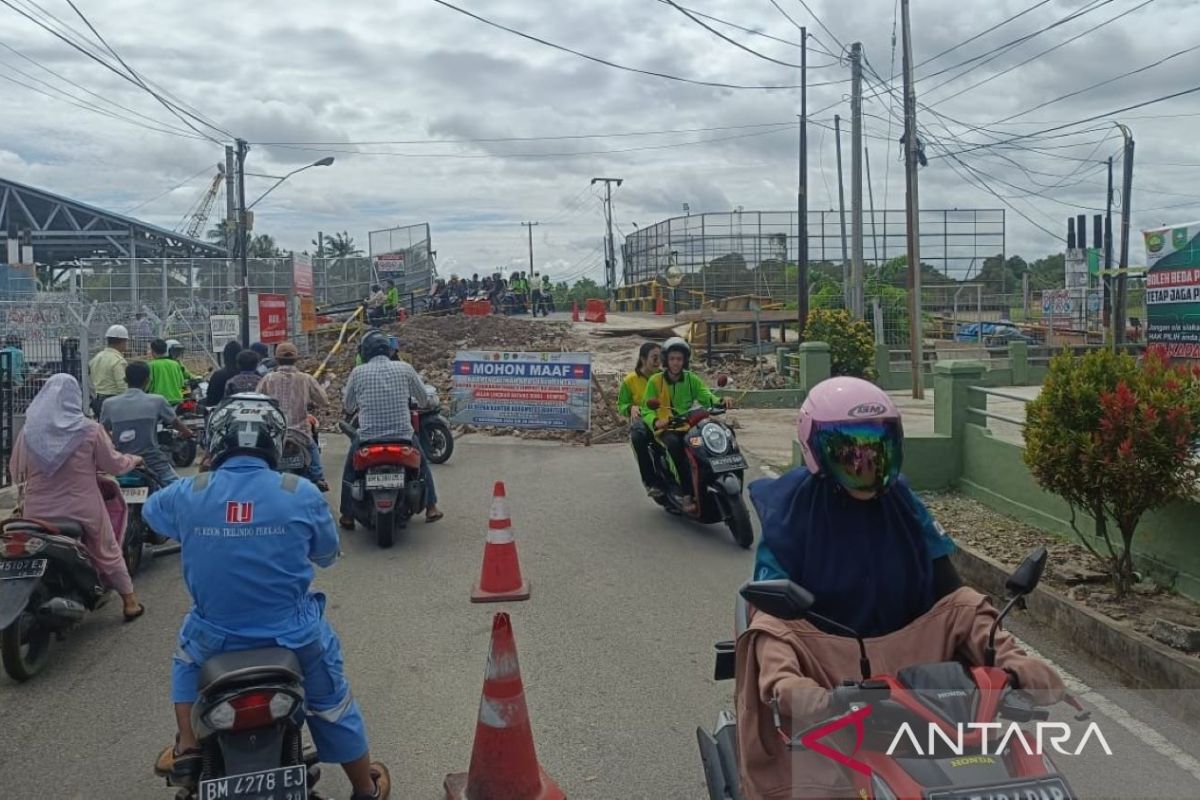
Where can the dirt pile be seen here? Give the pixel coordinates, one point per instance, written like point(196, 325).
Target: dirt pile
point(429, 343)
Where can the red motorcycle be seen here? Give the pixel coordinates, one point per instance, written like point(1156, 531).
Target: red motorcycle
point(944, 705)
point(387, 488)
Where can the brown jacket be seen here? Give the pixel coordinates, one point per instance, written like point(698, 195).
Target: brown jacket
point(796, 663)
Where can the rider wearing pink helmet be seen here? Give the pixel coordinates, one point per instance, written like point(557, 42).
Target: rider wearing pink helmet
point(846, 525)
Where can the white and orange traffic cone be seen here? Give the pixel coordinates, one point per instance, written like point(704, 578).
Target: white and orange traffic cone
point(504, 764)
point(500, 579)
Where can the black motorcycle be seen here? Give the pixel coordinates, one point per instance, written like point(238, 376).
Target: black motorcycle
point(434, 429)
point(47, 586)
point(249, 723)
point(718, 473)
point(136, 488)
point(387, 488)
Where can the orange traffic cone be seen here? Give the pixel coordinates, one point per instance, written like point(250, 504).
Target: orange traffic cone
point(658, 305)
point(500, 579)
point(504, 765)
point(574, 311)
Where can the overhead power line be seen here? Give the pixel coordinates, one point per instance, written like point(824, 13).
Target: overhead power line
point(179, 185)
point(725, 38)
point(613, 64)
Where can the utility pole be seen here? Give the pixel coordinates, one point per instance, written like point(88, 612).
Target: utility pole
point(857, 295)
point(610, 259)
point(230, 215)
point(871, 198)
point(531, 226)
point(837, 138)
point(1119, 319)
point(1107, 283)
point(242, 235)
point(912, 208)
point(802, 194)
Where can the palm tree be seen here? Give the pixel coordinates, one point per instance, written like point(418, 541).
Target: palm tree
point(260, 246)
point(339, 245)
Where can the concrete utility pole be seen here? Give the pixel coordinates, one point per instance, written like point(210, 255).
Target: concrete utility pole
point(912, 207)
point(1107, 283)
point(610, 259)
point(837, 138)
point(243, 255)
point(857, 294)
point(230, 215)
point(802, 193)
point(871, 198)
point(531, 226)
point(1119, 318)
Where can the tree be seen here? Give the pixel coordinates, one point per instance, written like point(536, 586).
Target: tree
point(1001, 276)
point(339, 245)
point(1115, 438)
point(850, 346)
point(263, 246)
point(1048, 273)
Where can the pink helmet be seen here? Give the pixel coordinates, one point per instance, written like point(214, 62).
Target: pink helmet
point(849, 428)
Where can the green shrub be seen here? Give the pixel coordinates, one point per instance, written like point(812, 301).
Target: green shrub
point(851, 346)
point(1114, 437)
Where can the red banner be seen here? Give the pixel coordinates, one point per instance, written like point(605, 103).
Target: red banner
point(272, 318)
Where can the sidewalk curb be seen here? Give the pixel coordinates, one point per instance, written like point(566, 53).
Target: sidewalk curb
point(1146, 663)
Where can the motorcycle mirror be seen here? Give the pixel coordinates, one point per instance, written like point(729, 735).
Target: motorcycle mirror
point(780, 598)
point(653, 404)
point(1026, 577)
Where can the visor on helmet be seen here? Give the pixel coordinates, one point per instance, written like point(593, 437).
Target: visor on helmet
point(861, 455)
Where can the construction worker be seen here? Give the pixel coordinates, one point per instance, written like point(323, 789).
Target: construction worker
point(107, 368)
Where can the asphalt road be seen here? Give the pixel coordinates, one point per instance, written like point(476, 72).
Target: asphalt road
point(615, 650)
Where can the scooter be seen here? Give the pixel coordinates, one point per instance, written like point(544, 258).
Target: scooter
point(718, 473)
point(387, 488)
point(249, 722)
point(48, 583)
point(434, 429)
point(136, 488)
point(945, 695)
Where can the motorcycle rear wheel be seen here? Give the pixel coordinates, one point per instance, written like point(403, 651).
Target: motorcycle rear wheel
point(184, 453)
point(135, 537)
point(24, 647)
point(439, 442)
point(739, 522)
point(385, 529)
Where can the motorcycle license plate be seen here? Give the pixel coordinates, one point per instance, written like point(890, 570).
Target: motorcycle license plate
point(728, 463)
point(385, 480)
point(135, 494)
point(27, 568)
point(1037, 789)
point(285, 783)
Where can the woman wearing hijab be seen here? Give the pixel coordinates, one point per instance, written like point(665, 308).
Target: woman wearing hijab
point(848, 528)
point(216, 382)
point(57, 456)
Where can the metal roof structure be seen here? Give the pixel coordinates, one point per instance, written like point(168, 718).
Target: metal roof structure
point(63, 230)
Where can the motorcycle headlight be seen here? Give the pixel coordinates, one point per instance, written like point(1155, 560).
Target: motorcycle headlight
point(715, 439)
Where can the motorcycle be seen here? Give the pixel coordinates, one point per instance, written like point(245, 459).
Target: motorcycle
point(136, 488)
point(387, 488)
point(48, 583)
point(947, 695)
point(296, 457)
point(718, 473)
point(249, 722)
point(434, 429)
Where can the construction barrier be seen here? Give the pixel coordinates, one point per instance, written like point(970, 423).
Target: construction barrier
point(500, 580)
point(574, 311)
point(504, 763)
point(477, 308)
point(595, 311)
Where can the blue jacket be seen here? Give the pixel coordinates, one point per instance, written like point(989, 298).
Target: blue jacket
point(249, 545)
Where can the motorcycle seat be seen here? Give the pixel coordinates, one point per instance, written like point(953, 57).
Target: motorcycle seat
point(62, 527)
point(245, 666)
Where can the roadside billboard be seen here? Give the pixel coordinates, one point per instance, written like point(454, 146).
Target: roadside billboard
point(522, 390)
point(1173, 288)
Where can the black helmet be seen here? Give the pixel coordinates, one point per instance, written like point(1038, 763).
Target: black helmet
point(247, 424)
point(375, 343)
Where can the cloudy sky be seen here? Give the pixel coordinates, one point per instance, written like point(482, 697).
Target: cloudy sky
point(372, 83)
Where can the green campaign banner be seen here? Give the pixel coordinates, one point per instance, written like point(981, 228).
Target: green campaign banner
point(1173, 289)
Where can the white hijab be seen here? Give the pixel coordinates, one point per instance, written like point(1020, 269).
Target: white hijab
point(54, 424)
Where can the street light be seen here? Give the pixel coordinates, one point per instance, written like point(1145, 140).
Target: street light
point(243, 245)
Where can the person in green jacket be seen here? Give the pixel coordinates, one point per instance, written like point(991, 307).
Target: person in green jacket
point(678, 390)
point(629, 406)
point(166, 374)
point(391, 299)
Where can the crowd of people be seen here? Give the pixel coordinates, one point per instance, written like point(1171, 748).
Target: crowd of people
point(520, 293)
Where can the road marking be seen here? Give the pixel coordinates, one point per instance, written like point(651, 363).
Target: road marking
point(1140, 730)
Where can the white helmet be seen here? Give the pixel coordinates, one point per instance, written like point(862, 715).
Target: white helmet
point(116, 332)
point(174, 344)
point(677, 343)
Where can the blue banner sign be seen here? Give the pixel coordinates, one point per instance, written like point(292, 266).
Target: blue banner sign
point(522, 390)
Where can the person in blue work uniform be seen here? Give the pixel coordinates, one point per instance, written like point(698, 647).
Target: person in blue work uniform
point(250, 583)
point(846, 525)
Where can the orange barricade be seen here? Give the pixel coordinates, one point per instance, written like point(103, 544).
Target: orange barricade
point(477, 308)
point(595, 311)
